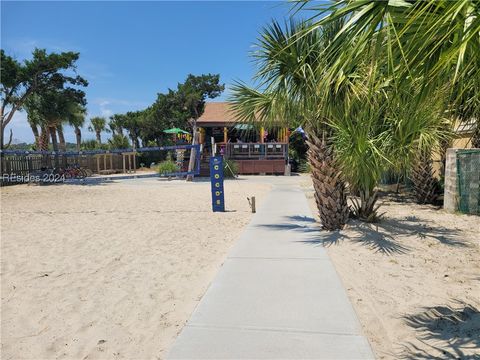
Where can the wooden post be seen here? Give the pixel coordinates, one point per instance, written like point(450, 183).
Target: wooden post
point(225, 135)
point(251, 202)
point(111, 162)
point(98, 163)
point(262, 134)
point(193, 154)
point(134, 163)
point(123, 159)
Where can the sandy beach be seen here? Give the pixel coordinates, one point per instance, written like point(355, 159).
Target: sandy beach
point(413, 278)
point(115, 270)
point(110, 270)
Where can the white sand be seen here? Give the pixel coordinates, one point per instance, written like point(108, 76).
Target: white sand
point(110, 271)
point(414, 280)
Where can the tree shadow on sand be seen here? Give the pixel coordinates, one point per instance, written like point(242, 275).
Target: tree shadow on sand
point(296, 223)
point(411, 225)
point(444, 332)
point(364, 234)
point(381, 237)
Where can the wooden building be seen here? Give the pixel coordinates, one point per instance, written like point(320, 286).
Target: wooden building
point(255, 149)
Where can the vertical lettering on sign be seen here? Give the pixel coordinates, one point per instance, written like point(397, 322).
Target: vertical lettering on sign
point(216, 180)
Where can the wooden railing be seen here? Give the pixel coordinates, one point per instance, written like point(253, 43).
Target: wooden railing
point(12, 165)
point(251, 151)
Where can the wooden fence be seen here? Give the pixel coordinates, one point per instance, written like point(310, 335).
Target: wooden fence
point(14, 165)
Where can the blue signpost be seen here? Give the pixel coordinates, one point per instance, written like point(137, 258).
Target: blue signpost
point(216, 180)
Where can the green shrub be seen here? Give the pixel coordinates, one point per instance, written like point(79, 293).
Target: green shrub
point(230, 168)
point(167, 167)
point(118, 142)
point(89, 145)
point(297, 151)
point(304, 166)
point(92, 145)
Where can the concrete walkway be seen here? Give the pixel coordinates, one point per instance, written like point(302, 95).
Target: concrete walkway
point(277, 296)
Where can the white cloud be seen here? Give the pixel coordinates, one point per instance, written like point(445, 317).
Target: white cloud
point(109, 106)
point(106, 112)
point(121, 102)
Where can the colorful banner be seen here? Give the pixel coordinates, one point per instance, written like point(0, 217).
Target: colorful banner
point(216, 180)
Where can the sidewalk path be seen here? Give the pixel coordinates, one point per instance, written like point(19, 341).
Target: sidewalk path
point(277, 296)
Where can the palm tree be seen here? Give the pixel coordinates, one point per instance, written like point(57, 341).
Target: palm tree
point(352, 116)
point(49, 110)
point(41, 114)
point(62, 145)
point(52, 124)
point(98, 124)
point(436, 38)
point(36, 133)
point(76, 118)
point(131, 122)
point(287, 58)
point(74, 115)
point(116, 124)
point(418, 128)
point(34, 121)
point(433, 42)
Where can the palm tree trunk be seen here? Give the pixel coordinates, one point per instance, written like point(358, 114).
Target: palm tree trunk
point(62, 144)
point(99, 138)
point(61, 139)
point(425, 185)
point(135, 141)
point(53, 134)
point(36, 135)
point(444, 145)
point(44, 138)
point(43, 145)
point(78, 136)
point(330, 190)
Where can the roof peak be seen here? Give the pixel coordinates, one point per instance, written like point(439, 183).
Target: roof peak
point(217, 112)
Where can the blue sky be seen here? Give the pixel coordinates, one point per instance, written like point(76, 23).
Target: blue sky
point(130, 51)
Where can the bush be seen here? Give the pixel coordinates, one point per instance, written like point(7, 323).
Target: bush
point(304, 166)
point(118, 142)
point(167, 167)
point(297, 152)
point(152, 157)
point(89, 145)
point(92, 145)
point(230, 168)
